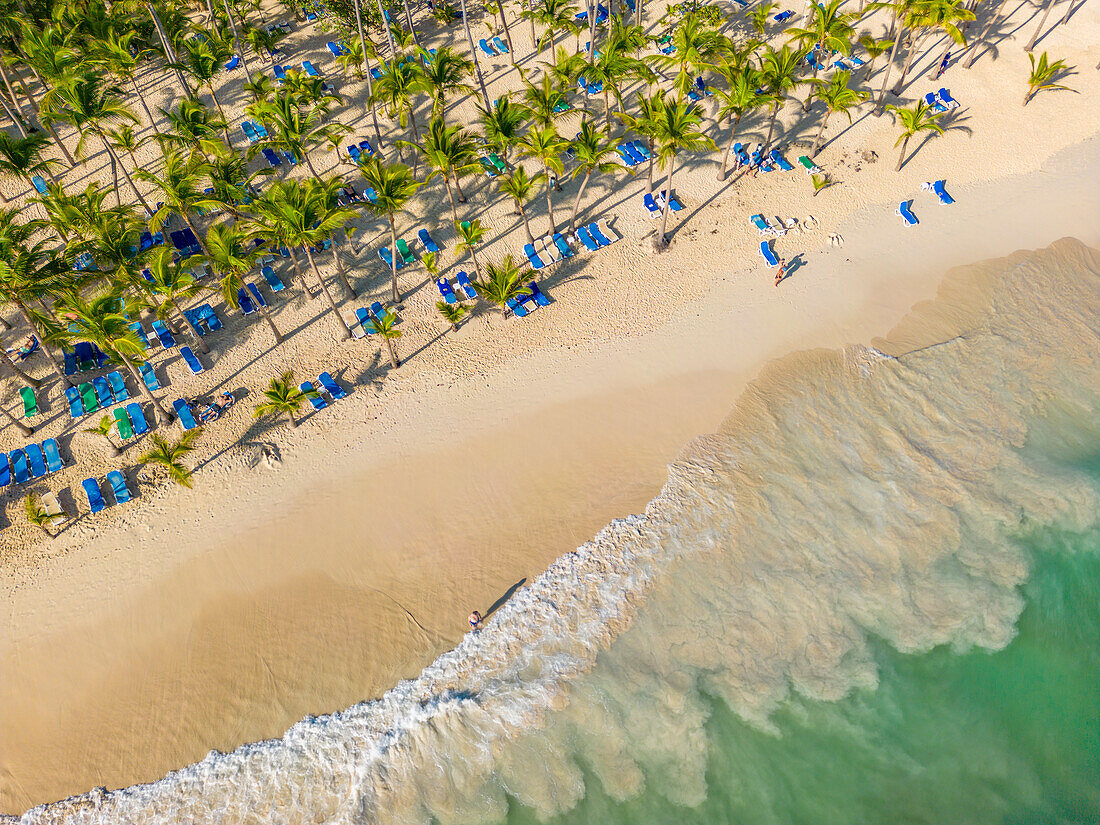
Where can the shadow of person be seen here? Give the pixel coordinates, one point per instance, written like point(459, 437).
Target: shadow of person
point(499, 603)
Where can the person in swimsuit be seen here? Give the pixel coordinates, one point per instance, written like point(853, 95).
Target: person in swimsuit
point(475, 620)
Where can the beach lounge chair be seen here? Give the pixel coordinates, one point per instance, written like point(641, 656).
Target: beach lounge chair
point(272, 159)
point(310, 69)
point(366, 323)
point(810, 167)
point(598, 236)
point(780, 161)
point(118, 485)
point(272, 279)
point(379, 311)
point(163, 334)
point(5, 470)
point(947, 100)
point(907, 214)
point(93, 494)
point(537, 295)
point(467, 287)
point(249, 132)
point(370, 194)
point(933, 104)
point(280, 75)
point(354, 154)
point(70, 362)
point(244, 302)
point(30, 403)
point(234, 63)
point(36, 460)
point(769, 256)
point(137, 418)
point(387, 257)
point(87, 396)
point(589, 242)
point(20, 469)
point(761, 223)
point(502, 47)
point(209, 317)
point(426, 240)
point(498, 164)
point(183, 412)
point(563, 245)
point(365, 147)
point(191, 359)
point(639, 149)
point(53, 509)
point(331, 387)
point(484, 46)
point(316, 399)
point(609, 233)
point(405, 252)
point(53, 455)
point(149, 377)
point(40, 184)
point(941, 193)
point(125, 426)
point(532, 256)
point(256, 296)
point(103, 391)
point(547, 250)
point(444, 287)
point(651, 205)
point(490, 170)
point(336, 50)
point(118, 386)
point(626, 156)
point(519, 309)
point(375, 72)
point(76, 405)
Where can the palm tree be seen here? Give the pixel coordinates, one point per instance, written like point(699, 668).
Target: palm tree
point(875, 49)
point(291, 127)
point(203, 59)
point(22, 158)
point(593, 150)
point(261, 88)
point(122, 58)
point(741, 97)
point(899, 11)
point(828, 29)
point(994, 16)
point(1043, 74)
point(545, 102)
point(90, 106)
point(36, 513)
point(473, 54)
point(232, 254)
point(647, 123)
point(697, 46)
point(1048, 4)
point(393, 186)
point(261, 40)
point(192, 126)
point(502, 122)
point(504, 282)
point(236, 37)
point(303, 215)
point(520, 187)
point(397, 88)
point(780, 69)
point(179, 181)
point(103, 429)
point(931, 16)
point(452, 313)
point(551, 14)
point(125, 139)
point(282, 397)
point(610, 67)
point(352, 57)
point(443, 75)
point(170, 455)
point(228, 175)
point(545, 145)
point(101, 321)
point(921, 118)
point(837, 97)
point(678, 131)
point(470, 234)
point(171, 284)
point(451, 153)
point(385, 326)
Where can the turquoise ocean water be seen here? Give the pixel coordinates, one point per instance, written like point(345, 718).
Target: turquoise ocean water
point(873, 596)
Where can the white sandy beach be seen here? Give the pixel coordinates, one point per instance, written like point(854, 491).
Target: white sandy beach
point(144, 636)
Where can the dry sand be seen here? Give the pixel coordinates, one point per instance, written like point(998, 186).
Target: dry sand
point(146, 635)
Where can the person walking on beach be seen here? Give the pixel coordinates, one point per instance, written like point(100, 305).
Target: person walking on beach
point(781, 272)
point(943, 65)
point(475, 620)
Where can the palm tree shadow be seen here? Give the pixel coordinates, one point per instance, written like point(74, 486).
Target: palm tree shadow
point(687, 218)
point(951, 122)
point(844, 131)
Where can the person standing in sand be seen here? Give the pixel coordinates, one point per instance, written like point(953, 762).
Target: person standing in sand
point(781, 272)
point(475, 620)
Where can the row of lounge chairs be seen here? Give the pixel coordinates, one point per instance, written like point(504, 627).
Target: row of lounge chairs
point(31, 462)
point(328, 386)
point(655, 205)
point(528, 302)
point(100, 392)
point(633, 152)
point(130, 421)
point(493, 165)
point(84, 356)
point(404, 253)
point(941, 101)
point(496, 49)
point(116, 481)
point(253, 130)
point(358, 152)
point(364, 319)
point(465, 285)
point(557, 247)
point(905, 208)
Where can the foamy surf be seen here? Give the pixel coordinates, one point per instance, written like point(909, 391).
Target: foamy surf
point(849, 495)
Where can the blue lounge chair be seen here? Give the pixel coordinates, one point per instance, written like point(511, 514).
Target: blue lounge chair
point(538, 295)
point(331, 387)
point(36, 460)
point(502, 47)
point(533, 257)
point(261, 130)
point(163, 334)
point(379, 311)
point(673, 204)
point(183, 412)
point(761, 223)
point(485, 48)
point(366, 148)
point(40, 184)
point(933, 104)
point(370, 194)
point(271, 157)
point(941, 193)
point(318, 401)
point(137, 417)
point(948, 101)
point(76, 406)
point(5, 471)
point(234, 63)
point(280, 75)
point(783, 17)
point(118, 386)
point(375, 73)
point(563, 246)
point(907, 214)
point(149, 377)
point(597, 235)
point(516, 307)
point(365, 321)
point(53, 455)
point(590, 243)
point(209, 317)
point(256, 294)
point(387, 257)
point(192, 361)
point(272, 279)
point(444, 287)
point(103, 391)
point(426, 239)
point(781, 161)
point(139, 333)
point(337, 51)
point(626, 156)
point(244, 302)
point(70, 362)
point(93, 494)
point(118, 485)
point(20, 470)
point(310, 69)
point(640, 149)
point(353, 153)
point(467, 287)
point(769, 256)
point(249, 132)
point(651, 206)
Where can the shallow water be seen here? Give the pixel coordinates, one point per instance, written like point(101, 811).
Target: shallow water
point(871, 597)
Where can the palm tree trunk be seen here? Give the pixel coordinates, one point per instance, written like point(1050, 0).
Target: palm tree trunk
point(450, 197)
point(23, 428)
point(15, 100)
point(416, 137)
point(297, 268)
point(60, 144)
point(309, 163)
point(393, 258)
point(393, 353)
point(507, 31)
point(33, 382)
point(328, 295)
point(129, 180)
point(649, 179)
point(981, 37)
point(144, 105)
point(45, 348)
point(881, 104)
point(901, 157)
point(409, 20)
point(909, 62)
point(458, 184)
point(729, 148)
point(534, 39)
point(549, 204)
point(167, 46)
point(386, 27)
point(370, 89)
point(526, 225)
point(221, 113)
point(274, 329)
point(473, 53)
point(340, 273)
point(771, 127)
point(1042, 22)
point(477, 263)
point(577, 202)
point(114, 180)
point(821, 131)
point(663, 239)
point(237, 41)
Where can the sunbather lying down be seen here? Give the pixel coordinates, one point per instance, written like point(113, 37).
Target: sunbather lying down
point(28, 345)
point(211, 412)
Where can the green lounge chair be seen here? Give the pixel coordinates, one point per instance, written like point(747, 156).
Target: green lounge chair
point(30, 403)
point(490, 170)
point(125, 427)
point(809, 165)
point(498, 163)
point(87, 393)
point(406, 253)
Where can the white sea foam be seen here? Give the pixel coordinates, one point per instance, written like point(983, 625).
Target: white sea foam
point(852, 493)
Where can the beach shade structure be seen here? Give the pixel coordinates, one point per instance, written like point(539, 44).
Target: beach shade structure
point(20, 469)
point(183, 412)
point(5, 471)
point(317, 400)
point(103, 391)
point(465, 285)
point(76, 405)
point(244, 302)
point(589, 242)
point(53, 455)
point(651, 205)
point(502, 47)
point(781, 161)
point(164, 335)
point(118, 386)
point(272, 279)
point(426, 240)
point(532, 256)
point(405, 252)
point(118, 485)
point(149, 377)
point(93, 494)
point(907, 213)
point(36, 460)
point(599, 237)
point(191, 359)
point(251, 287)
point(125, 426)
point(519, 309)
point(444, 287)
point(53, 509)
point(30, 403)
point(610, 234)
point(769, 256)
point(947, 100)
point(137, 418)
point(941, 193)
point(538, 295)
point(810, 167)
point(331, 387)
point(563, 245)
point(87, 396)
